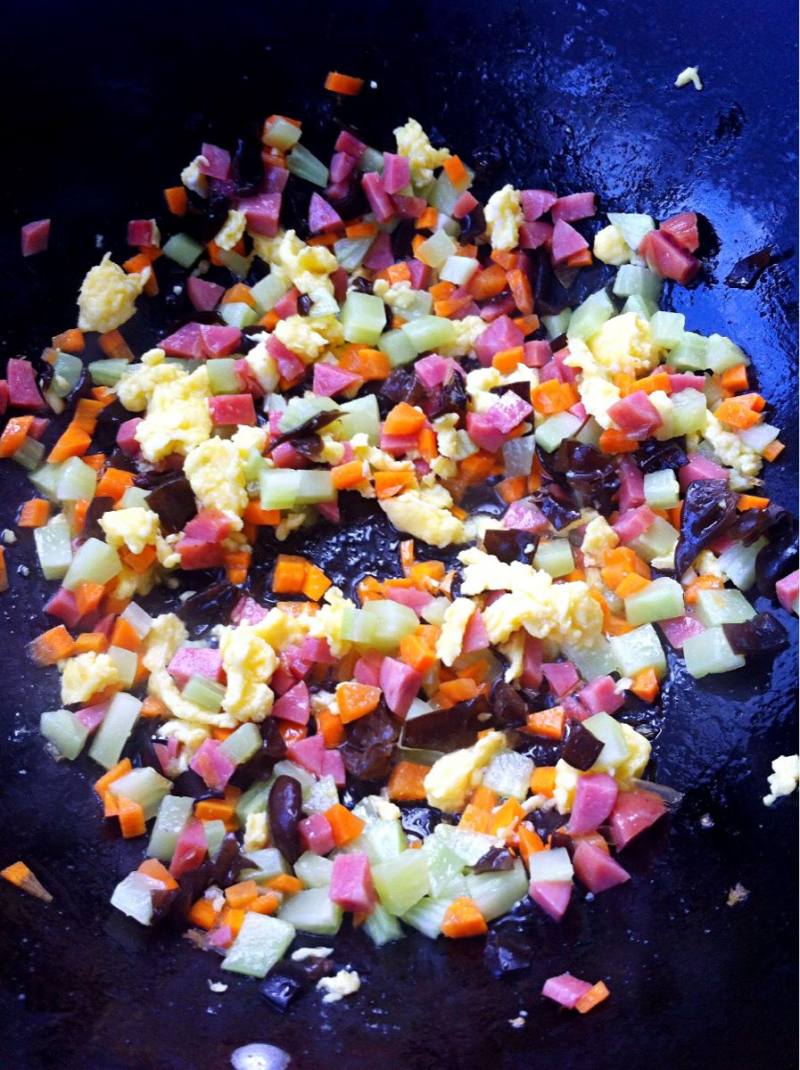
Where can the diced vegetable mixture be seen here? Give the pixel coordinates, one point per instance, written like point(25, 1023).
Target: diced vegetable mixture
point(425, 749)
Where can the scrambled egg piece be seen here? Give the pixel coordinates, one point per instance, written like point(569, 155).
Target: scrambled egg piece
point(425, 514)
point(514, 651)
point(328, 621)
point(784, 777)
point(247, 438)
point(467, 332)
point(399, 295)
point(563, 612)
point(215, 473)
point(452, 777)
point(263, 366)
point(85, 675)
point(687, 75)
point(504, 217)
point(135, 528)
point(451, 637)
point(598, 395)
point(307, 267)
point(622, 344)
point(731, 451)
point(598, 537)
point(344, 983)
point(413, 142)
point(249, 663)
point(231, 230)
point(452, 443)
point(255, 831)
point(610, 247)
point(177, 416)
point(193, 179)
point(190, 736)
point(108, 296)
point(297, 333)
point(136, 387)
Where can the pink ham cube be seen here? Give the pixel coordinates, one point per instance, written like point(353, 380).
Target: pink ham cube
point(565, 989)
point(682, 228)
point(321, 216)
point(573, 207)
point(631, 485)
point(562, 676)
point(567, 242)
point(308, 753)
point(534, 235)
point(219, 340)
point(216, 162)
point(34, 237)
point(667, 258)
point(213, 765)
point(351, 883)
point(475, 635)
point(126, 437)
point(552, 896)
point(23, 393)
point(596, 869)
point(204, 295)
point(636, 415)
point(191, 661)
point(187, 342)
point(228, 410)
point(294, 705)
point(330, 380)
point(787, 591)
point(502, 334)
point(262, 212)
point(379, 200)
point(316, 834)
point(635, 522)
point(535, 202)
point(333, 766)
point(532, 674)
point(367, 670)
point(396, 172)
point(400, 684)
point(409, 596)
point(190, 850)
point(595, 795)
point(634, 812)
point(601, 696)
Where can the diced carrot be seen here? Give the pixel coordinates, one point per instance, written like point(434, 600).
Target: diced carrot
point(552, 396)
point(70, 341)
point(596, 994)
point(628, 560)
point(151, 867)
point(427, 444)
point(428, 219)
point(701, 583)
point(203, 914)
point(583, 258)
point(113, 483)
point(76, 514)
point(131, 818)
point(3, 570)
point(415, 652)
point(740, 412)
point(543, 780)
point(475, 819)
point(102, 785)
point(237, 565)
point(268, 903)
point(104, 394)
point(361, 229)
point(346, 826)
point(751, 501)
point(136, 264)
point(398, 273)
point(547, 723)
point(487, 283)
point(347, 475)
point(425, 573)
point(290, 574)
point(507, 359)
point(141, 562)
point(215, 810)
point(34, 513)
point(527, 324)
point(125, 635)
point(645, 685)
point(463, 918)
point(407, 782)
point(506, 817)
point(241, 895)
point(614, 441)
point(773, 450)
point(404, 419)
point(530, 842)
point(440, 291)
point(344, 84)
point(51, 646)
point(177, 200)
point(331, 728)
point(88, 597)
point(505, 258)
point(735, 379)
point(234, 919)
point(455, 170)
point(388, 484)
point(74, 442)
point(254, 514)
point(477, 467)
point(286, 884)
point(448, 307)
point(521, 291)
point(90, 642)
point(269, 320)
point(14, 434)
point(153, 707)
point(675, 515)
point(453, 691)
point(315, 583)
point(368, 364)
point(512, 489)
point(22, 877)
point(631, 584)
point(239, 293)
point(356, 700)
point(484, 798)
point(651, 383)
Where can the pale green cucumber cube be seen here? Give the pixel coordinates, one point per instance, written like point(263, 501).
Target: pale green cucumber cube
point(402, 881)
point(94, 562)
point(638, 650)
point(261, 942)
point(312, 911)
point(710, 652)
point(660, 600)
point(661, 489)
point(496, 893)
point(63, 729)
point(363, 318)
point(722, 606)
point(172, 817)
point(429, 333)
point(554, 557)
point(112, 735)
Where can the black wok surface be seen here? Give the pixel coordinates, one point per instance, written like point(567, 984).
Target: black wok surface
point(102, 106)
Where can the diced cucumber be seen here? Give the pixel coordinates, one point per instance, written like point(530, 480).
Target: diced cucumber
point(690, 353)
point(350, 252)
point(722, 606)
point(468, 845)
point(67, 371)
point(723, 354)
point(429, 333)
point(593, 660)
point(658, 541)
point(554, 556)
point(633, 279)
point(314, 870)
point(278, 488)
point(94, 562)
point(279, 133)
point(738, 563)
point(242, 744)
point(182, 249)
point(661, 489)
point(398, 347)
point(204, 693)
point(402, 881)
point(215, 834)
point(391, 621)
point(222, 376)
point(642, 306)
point(54, 547)
point(458, 269)
point(660, 600)
point(171, 819)
point(553, 865)
point(138, 619)
point(609, 732)
point(323, 795)
point(45, 479)
point(126, 663)
point(268, 863)
point(112, 735)
point(759, 436)
point(445, 194)
point(381, 927)
point(445, 870)
point(427, 915)
point(666, 329)
point(143, 786)
point(689, 412)
point(371, 160)
point(254, 800)
point(134, 496)
point(63, 729)
point(558, 324)
point(551, 432)
point(496, 893)
point(315, 485)
point(509, 774)
point(632, 225)
point(30, 454)
point(305, 165)
point(306, 780)
point(237, 314)
point(639, 650)
point(261, 943)
point(107, 372)
point(590, 316)
point(437, 249)
point(134, 896)
point(363, 318)
point(267, 292)
point(382, 840)
point(710, 652)
point(312, 911)
point(359, 416)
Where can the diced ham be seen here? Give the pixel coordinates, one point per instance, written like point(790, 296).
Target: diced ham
point(636, 415)
point(201, 545)
point(126, 437)
point(4, 397)
point(342, 166)
point(398, 444)
point(216, 162)
point(296, 661)
point(574, 709)
point(281, 680)
point(532, 674)
point(562, 676)
point(409, 596)
point(317, 650)
point(679, 629)
point(601, 696)
point(573, 207)
point(465, 204)
point(534, 235)
point(631, 485)
point(484, 432)
point(142, 232)
point(351, 883)
point(367, 670)
point(380, 255)
point(248, 611)
point(597, 869)
point(210, 525)
point(289, 364)
point(219, 340)
point(379, 200)
point(667, 258)
point(420, 274)
point(308, 753)
point(204, 295)
point(564, 372)
point(316, 834)
point(683, 229)
point(191, 661)
point(349, 143)
point(286, 456)
point(220, 936)
point(509, 412)
point(64, 606)
point(535, 202)
point(434, 370)
point(187, 342)
point(227, 410)
point(595, 795)
point(396, 172)
point(497, 307)
point(23, 393)
point(565, 989)
point(262, 213)
point(275, 177)
point(212, 764)
point(34, 237)
point(333, 766)
point(475, 635)
point(552, 896)
point(566, 242)
point(408, 207)
point(537, 353)
point(502, 334)
point(700, 467)
point(294, 706)
point(787, 591)
point(525, 515)
point(190, 850)
point(635, 522)
point(329, 511)
point(634, 812)
point(322, 216)
point(400, 684)
point(92, 716)
point(686, 381)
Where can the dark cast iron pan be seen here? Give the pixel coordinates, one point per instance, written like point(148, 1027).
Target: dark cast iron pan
point(102, 106)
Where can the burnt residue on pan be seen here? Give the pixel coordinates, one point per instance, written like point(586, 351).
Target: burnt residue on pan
point(569, 95)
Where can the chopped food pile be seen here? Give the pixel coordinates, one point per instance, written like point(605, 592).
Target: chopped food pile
point(425, 749)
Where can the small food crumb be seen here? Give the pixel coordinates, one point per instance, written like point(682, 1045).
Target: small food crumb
point(8, 537)
point(784, 777)
point(706, 821)
point(217, 986)
point(519, 1021)
point(687, 75)
point(23, 570)
point(304, 953)
point(737, 894)
point(344, 983)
